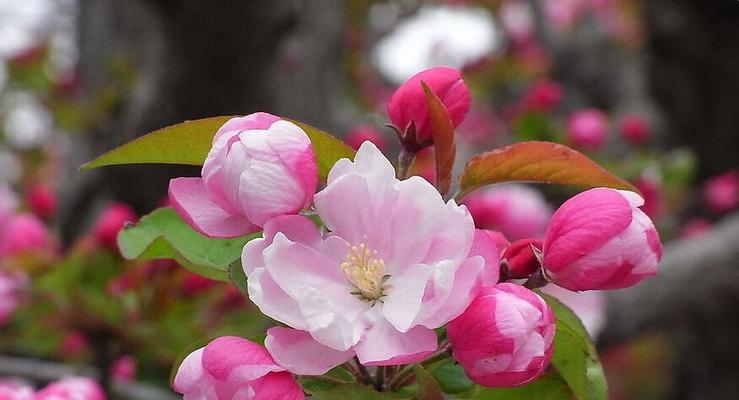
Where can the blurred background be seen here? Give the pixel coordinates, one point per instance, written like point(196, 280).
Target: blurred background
point(648, 88)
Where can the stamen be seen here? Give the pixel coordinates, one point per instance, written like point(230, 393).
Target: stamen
point(365, 271)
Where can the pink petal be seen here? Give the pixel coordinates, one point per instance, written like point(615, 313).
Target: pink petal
point(234, 358)
point(276, 386)
point(385, 345)
point(300, 354)
point(403, 302)
point(193, 203)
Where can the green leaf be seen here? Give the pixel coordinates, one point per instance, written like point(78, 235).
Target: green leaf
point(443, 132)
point(542, 162)
point(237, 276)
point(547, 387)
point(184, 143)
point(189, 143)
point(353, 391)
point(451, 377)
point(428, 388)
point(575, 357)
point(163, 234)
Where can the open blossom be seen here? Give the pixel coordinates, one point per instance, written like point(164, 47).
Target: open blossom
point(398, 263)
point(12, 390)
point(260, 166)
point(505, 336)
point(230, 367)
point(408, 105)
point(587, 128)
point(600, 239)
point(72, 388)
point(517, 211)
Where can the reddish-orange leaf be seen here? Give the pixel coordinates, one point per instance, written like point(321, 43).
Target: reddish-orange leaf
point(542, 162)
point(443, 134)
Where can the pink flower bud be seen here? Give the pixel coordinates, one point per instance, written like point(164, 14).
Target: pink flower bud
point(600, 239)
point(517, 211)
point(12, 285)
point(110, 222)
point(587, 129)
point(259, 167)
point(12, 390)
point(24, 233)
point(521, 259)
point(230, 367)
point(408, 104)
point(543, 95)
point(73, 388)
point(721, 193)
point(505, 336)
point(361, 133)
point(634, 129)
point(124, 369)
point(42, 201)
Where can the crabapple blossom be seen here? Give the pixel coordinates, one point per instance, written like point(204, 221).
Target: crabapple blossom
point(260, 166)
point(587, 128)
point(520, 258)
point(230, 367)
point(12, 390)
point(517, 211)
point(505, 336)
point(721, 193)
point(543, 95)
point(12, 284)
point(124, 369)
point(634, 129)
point(42, 201)
point(361, 133)
point(398, 263)
point(72, 388)
point(600, 239)
point(23, 233)
point(112, 220)
point(408, 104)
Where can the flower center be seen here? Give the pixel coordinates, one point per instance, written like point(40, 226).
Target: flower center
point(365, 271)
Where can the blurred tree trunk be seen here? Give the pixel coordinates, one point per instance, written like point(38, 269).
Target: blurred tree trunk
point(693, 66)
point(192, 59)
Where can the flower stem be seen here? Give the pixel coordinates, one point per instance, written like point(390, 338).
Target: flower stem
point(404, 162)
point(363, 373)
point(402, 377)
point(380, 378)
point(329, 379)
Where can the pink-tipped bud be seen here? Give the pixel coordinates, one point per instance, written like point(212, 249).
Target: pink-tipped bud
point(42, 201)
point(505, 336)
point(110, 222)
point(259, 167)
point(588, 129)
point(408, 105)
point(634, 129)
point(521, 258)
point(721, 193)
point(362, 133)
point(73, 388)
point(230, 367)
point(600, 239)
